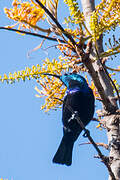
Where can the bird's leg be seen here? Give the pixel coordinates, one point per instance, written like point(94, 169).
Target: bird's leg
point(76, 116)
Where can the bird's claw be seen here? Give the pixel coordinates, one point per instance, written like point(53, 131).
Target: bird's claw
point(87, 133)
point(74, 115)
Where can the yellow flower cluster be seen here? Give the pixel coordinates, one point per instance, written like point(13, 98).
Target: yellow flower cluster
point(51, 87)
point(76, 33)
point(94, 25)
point(110, 52)
point(53, 92)
point(54, 67)
point(28, 73)
point(106, 17)
point(74, 11)
point(26, 13)
point(52, 5)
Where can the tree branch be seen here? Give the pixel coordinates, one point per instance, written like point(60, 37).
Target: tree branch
point(88, 8)
point(112, 69)
point(33, 34)
point(105, 70)
point(98, 144)
point(87, 61)
point(106, 102)
point(87, 134)
point(113, 127)
point(56, 22)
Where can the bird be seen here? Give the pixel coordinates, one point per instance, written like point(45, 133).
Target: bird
point(79, 97)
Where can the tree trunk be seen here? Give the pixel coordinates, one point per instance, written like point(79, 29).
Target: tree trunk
point(113, 134)
point(111, 121)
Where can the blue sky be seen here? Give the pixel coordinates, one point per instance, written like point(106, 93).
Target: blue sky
point(30, 137)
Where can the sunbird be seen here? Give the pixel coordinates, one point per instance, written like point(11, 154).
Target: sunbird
point(79, 97)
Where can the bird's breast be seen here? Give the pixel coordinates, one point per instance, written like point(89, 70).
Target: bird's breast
point(81, 101)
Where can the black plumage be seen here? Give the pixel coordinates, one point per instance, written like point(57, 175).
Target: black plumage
point(80, 98)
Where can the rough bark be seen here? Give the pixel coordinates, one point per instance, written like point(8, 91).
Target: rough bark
point(111, 121)
point(113, 133)
point(88, 7)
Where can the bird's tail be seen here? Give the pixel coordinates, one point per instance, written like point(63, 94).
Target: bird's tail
point(64, 152)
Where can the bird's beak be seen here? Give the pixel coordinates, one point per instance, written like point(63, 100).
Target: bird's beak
point(57, 76)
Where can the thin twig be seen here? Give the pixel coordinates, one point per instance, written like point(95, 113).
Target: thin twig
point(35, 26)
point(55, 45)
point(95, 119)
point(98, 144)
point(56, 22)
point(32, 34)
point(113, 69)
